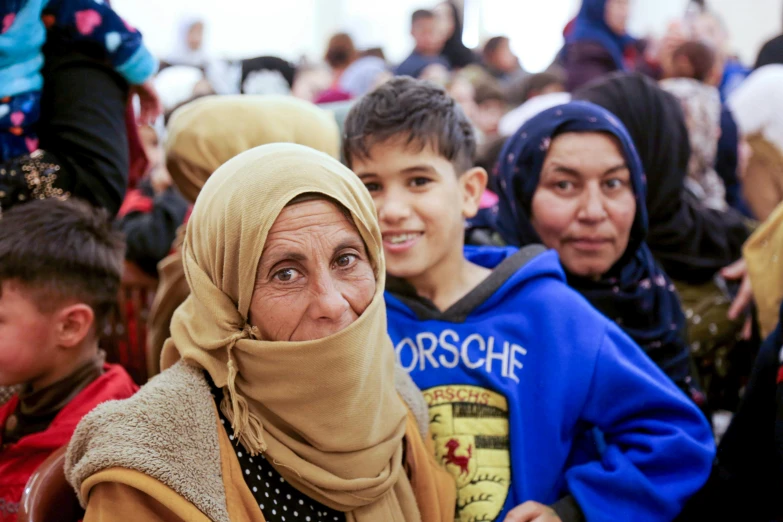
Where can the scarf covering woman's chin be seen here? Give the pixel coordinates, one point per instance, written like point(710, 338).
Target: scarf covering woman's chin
point(690, 241)
point(324, 412)
point(590, 26)
point(635, 292)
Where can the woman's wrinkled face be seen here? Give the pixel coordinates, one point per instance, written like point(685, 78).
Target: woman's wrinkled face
point(584, 205)
point(616, 15)
point(314, 278)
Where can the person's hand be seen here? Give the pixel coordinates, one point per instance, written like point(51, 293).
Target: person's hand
point(160, 179)
point(532, 512)
point(744, 154)
point(151, 107)
point(735, 272)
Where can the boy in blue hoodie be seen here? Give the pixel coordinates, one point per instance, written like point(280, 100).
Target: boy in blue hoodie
point(542, 408)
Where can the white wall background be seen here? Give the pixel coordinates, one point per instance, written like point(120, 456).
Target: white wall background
point(293, 28)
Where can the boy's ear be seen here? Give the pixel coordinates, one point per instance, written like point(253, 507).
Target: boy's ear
point(473, 182)
point(73, 324)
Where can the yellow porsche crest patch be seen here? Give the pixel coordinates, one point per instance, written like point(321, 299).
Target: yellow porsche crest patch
point(469, 426)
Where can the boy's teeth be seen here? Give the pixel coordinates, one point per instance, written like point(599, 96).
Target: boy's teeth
point(402, 238)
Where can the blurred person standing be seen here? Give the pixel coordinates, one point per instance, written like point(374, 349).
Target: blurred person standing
point(429, 40)
point(598, 42)
point(189, 46)
point(454, 50)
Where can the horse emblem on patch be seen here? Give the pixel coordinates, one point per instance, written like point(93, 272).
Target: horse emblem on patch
point(469, 427)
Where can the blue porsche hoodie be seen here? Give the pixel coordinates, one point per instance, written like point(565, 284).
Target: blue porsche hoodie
point(519, 375)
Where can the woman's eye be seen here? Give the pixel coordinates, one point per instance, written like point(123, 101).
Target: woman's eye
point(563, 185)
point(373, 187)
point(346, 260)
point(420, 182)
point(614, 183)
point(286, 275)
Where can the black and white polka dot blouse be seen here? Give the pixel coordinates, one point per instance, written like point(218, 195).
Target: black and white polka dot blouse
point(279, 501)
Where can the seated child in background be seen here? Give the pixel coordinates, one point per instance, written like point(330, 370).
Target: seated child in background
point(429, 43)
point(23, 26)
point(154, 210)
point(60, 266)
point(518, 369)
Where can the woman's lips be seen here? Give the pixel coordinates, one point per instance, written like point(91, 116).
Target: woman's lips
point(589, 243)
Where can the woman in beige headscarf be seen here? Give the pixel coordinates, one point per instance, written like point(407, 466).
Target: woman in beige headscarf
point(286, 327)
point(202, 136)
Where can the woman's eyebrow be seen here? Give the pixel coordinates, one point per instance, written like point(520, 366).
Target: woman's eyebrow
point(566, 170)
point(355, 243)
point(288, 255)
point(616, 168)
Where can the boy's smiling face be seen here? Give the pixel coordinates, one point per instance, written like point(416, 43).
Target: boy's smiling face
point(421, 202)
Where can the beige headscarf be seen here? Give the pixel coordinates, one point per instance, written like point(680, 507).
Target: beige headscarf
point(208, 132)
point(324, 412)
point(202, 136)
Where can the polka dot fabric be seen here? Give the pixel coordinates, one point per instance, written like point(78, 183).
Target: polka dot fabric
point(278, 500)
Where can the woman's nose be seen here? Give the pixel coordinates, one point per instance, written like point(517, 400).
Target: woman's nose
point(328, 303)
point(592, 208)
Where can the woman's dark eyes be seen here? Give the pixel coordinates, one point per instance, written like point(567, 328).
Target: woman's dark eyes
point(285, 275)
point(346, 260)
point(615, 183)
point(373, 187)
point(420, 182)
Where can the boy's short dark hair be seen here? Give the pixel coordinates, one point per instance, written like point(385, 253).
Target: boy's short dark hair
point(421, 14)
point(419, 109)
point(531, 85)
point(487, 91)
point(62, 250)
point(493, 44)
point(700, 59)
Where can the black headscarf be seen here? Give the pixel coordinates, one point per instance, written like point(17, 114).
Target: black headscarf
point(268, 63)
point(454, 50)
point(634, 292)
point(690, 241)
point(771, 53)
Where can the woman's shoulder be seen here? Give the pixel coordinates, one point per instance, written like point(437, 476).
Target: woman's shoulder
point(168, 431)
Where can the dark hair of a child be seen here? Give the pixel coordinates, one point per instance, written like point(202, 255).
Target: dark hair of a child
point(340, 52)
point(418, 110)
point(532, 85)
point(487, 91)
point(694, 60)
point(493, 44)
point(421, 14)
point(63, 250)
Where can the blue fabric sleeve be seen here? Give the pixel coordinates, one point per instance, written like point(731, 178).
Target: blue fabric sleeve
point(659, 447)
point(141, 66)
point(94, 20)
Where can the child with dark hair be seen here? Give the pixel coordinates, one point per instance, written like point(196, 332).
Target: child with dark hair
point(500, 61)
point(429, 42)
point(542, 408)
point(60, 268)
point(696, 60)
point(490, 107)
point(153, 211)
